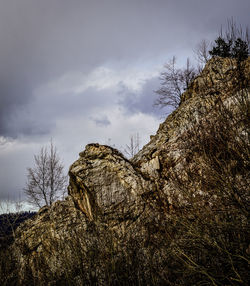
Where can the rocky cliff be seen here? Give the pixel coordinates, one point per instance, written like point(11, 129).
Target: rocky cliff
point(126, 220)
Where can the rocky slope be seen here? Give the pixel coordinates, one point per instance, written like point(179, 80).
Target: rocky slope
point(116, 206)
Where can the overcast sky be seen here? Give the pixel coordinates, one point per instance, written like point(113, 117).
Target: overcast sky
point(82, 71)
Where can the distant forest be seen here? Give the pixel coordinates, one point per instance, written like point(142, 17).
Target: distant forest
point(9, 223)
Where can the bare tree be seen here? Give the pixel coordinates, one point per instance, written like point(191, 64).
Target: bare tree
point(174, 82)
point(133, 147)
point(46, 181)
point(202, 52)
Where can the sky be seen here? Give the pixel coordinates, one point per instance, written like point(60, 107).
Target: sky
point(83, 71)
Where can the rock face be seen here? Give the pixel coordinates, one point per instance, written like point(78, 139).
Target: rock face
point(113, 199)
point(105, 185)
point(106, 202)
point(41, 241)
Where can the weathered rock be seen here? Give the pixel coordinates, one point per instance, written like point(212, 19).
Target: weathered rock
point(165, 152)
point(105, 203)
point(41, 244)
point(113, 200)
point(106, 186)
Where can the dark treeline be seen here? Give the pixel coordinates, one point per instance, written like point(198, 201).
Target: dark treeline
point(8, 224)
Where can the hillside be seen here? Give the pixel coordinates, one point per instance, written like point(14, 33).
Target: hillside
point(175, 214)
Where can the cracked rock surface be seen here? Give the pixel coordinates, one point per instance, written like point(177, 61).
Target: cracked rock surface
point(110, 196)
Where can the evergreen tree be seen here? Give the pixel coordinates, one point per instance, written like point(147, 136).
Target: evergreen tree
point(234, 43)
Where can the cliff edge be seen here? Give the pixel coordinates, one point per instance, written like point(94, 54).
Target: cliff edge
point(126, 219)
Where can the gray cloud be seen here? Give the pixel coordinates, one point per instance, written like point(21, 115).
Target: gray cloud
point(42, 41)
point(40, 115)
point(102, 121)
point(144, 100)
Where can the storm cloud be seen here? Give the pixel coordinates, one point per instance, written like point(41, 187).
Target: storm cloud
point(85, 70)
point(42, 40)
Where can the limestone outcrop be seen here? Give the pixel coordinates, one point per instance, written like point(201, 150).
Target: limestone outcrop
point(106, 201)
point(106, 186)
point(113, 199)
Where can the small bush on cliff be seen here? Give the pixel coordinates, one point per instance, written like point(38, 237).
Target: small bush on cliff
point(234, 43)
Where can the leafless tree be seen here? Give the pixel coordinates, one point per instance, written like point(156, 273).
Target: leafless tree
point(174, 81)
point(133, 147)
point(46, 180)
point(202, 52)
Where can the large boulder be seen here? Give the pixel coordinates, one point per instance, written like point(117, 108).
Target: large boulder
point(105, 185)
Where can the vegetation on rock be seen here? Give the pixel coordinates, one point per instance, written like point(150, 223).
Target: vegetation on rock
point(234, 43)
point(46, 182)
point(177, 213)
